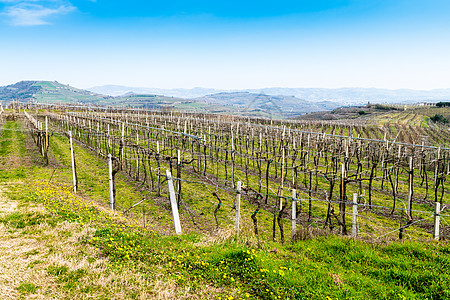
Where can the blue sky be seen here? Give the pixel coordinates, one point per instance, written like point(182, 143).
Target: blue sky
point(227, 44)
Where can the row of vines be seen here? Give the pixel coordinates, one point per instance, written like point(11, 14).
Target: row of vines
point(397, 183)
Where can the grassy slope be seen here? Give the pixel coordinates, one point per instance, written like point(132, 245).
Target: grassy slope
point(86, 252)
point(53, 92)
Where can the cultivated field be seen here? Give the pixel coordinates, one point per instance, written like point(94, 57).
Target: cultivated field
point(268, 209)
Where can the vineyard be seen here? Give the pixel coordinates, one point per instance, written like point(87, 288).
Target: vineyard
point(288, 171)
point(262, 180)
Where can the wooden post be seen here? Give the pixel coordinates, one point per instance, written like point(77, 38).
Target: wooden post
point(179, 176)
point(109, 140)
point(46, 133)
point(112, 201)
point(282, 179)
point(123, 142)
point(173, 203)
point(436, 171)
point(74, 170)
point(355, 216)
point(294, 211)
point(342, 201)
point(159, 168)
point(137, 157)
point(238, 206)
point(437, 218)
point(410, 194)
point(232, 158)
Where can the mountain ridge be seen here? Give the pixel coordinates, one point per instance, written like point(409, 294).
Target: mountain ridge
point(270, 102)
point(239, 102)
point(345, 95)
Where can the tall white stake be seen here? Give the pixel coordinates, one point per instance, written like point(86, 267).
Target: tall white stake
point(74, 171)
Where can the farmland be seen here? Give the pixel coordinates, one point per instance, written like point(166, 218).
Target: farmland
point(302, 185)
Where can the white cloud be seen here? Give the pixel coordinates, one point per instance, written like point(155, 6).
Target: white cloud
point(34, 12)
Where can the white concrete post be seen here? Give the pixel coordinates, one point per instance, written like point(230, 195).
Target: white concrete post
point(355, 216)
point(74, 171)
point(46, 133)
point(294, 211)
point(173, 203)
point(112, 203)
point(437, 218)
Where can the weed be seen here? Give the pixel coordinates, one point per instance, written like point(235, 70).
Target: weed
point(27, 288)
point(57, 270)
point(20, 220)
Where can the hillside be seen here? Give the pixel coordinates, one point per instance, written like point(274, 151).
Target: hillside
point(236, 103)
point(279, 106)
point(54, 92)
point(23, 91)
point(47, 92)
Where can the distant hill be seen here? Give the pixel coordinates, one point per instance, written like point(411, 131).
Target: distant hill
point(270, 102)
point(344, 96)
point(278, 106)
point(48, 92)
point(144, 100)
point(239, 103)
point(119, 90)
point(23, 91)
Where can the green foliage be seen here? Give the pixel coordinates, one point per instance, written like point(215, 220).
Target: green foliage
point(69, 278)
point(57, 270)
point(20, 220)
point(361, 112)
point(72, 278)
point(12, 175)
point(34, 263)
point(443, 104)
point(27, 288)
point(438, 118)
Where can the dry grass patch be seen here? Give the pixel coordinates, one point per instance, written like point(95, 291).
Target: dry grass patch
point(49, 259)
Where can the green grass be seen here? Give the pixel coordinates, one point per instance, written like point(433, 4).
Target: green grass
point(15, 174)
point(27, 288)
point(315, 268)
point(318, 267)
point(329, 266)
point(6, 136)
point(20, 220)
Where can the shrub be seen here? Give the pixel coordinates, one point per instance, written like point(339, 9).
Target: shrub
point(437, 118)
point(27, 288)
point(442, 104)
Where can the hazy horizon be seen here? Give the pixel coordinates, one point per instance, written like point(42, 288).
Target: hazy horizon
point(227, 45)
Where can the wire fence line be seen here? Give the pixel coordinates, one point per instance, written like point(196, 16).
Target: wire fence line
point(262, 159)
point(281, 127)
point(206, 156)
point(298, 199)
point(271, 195)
